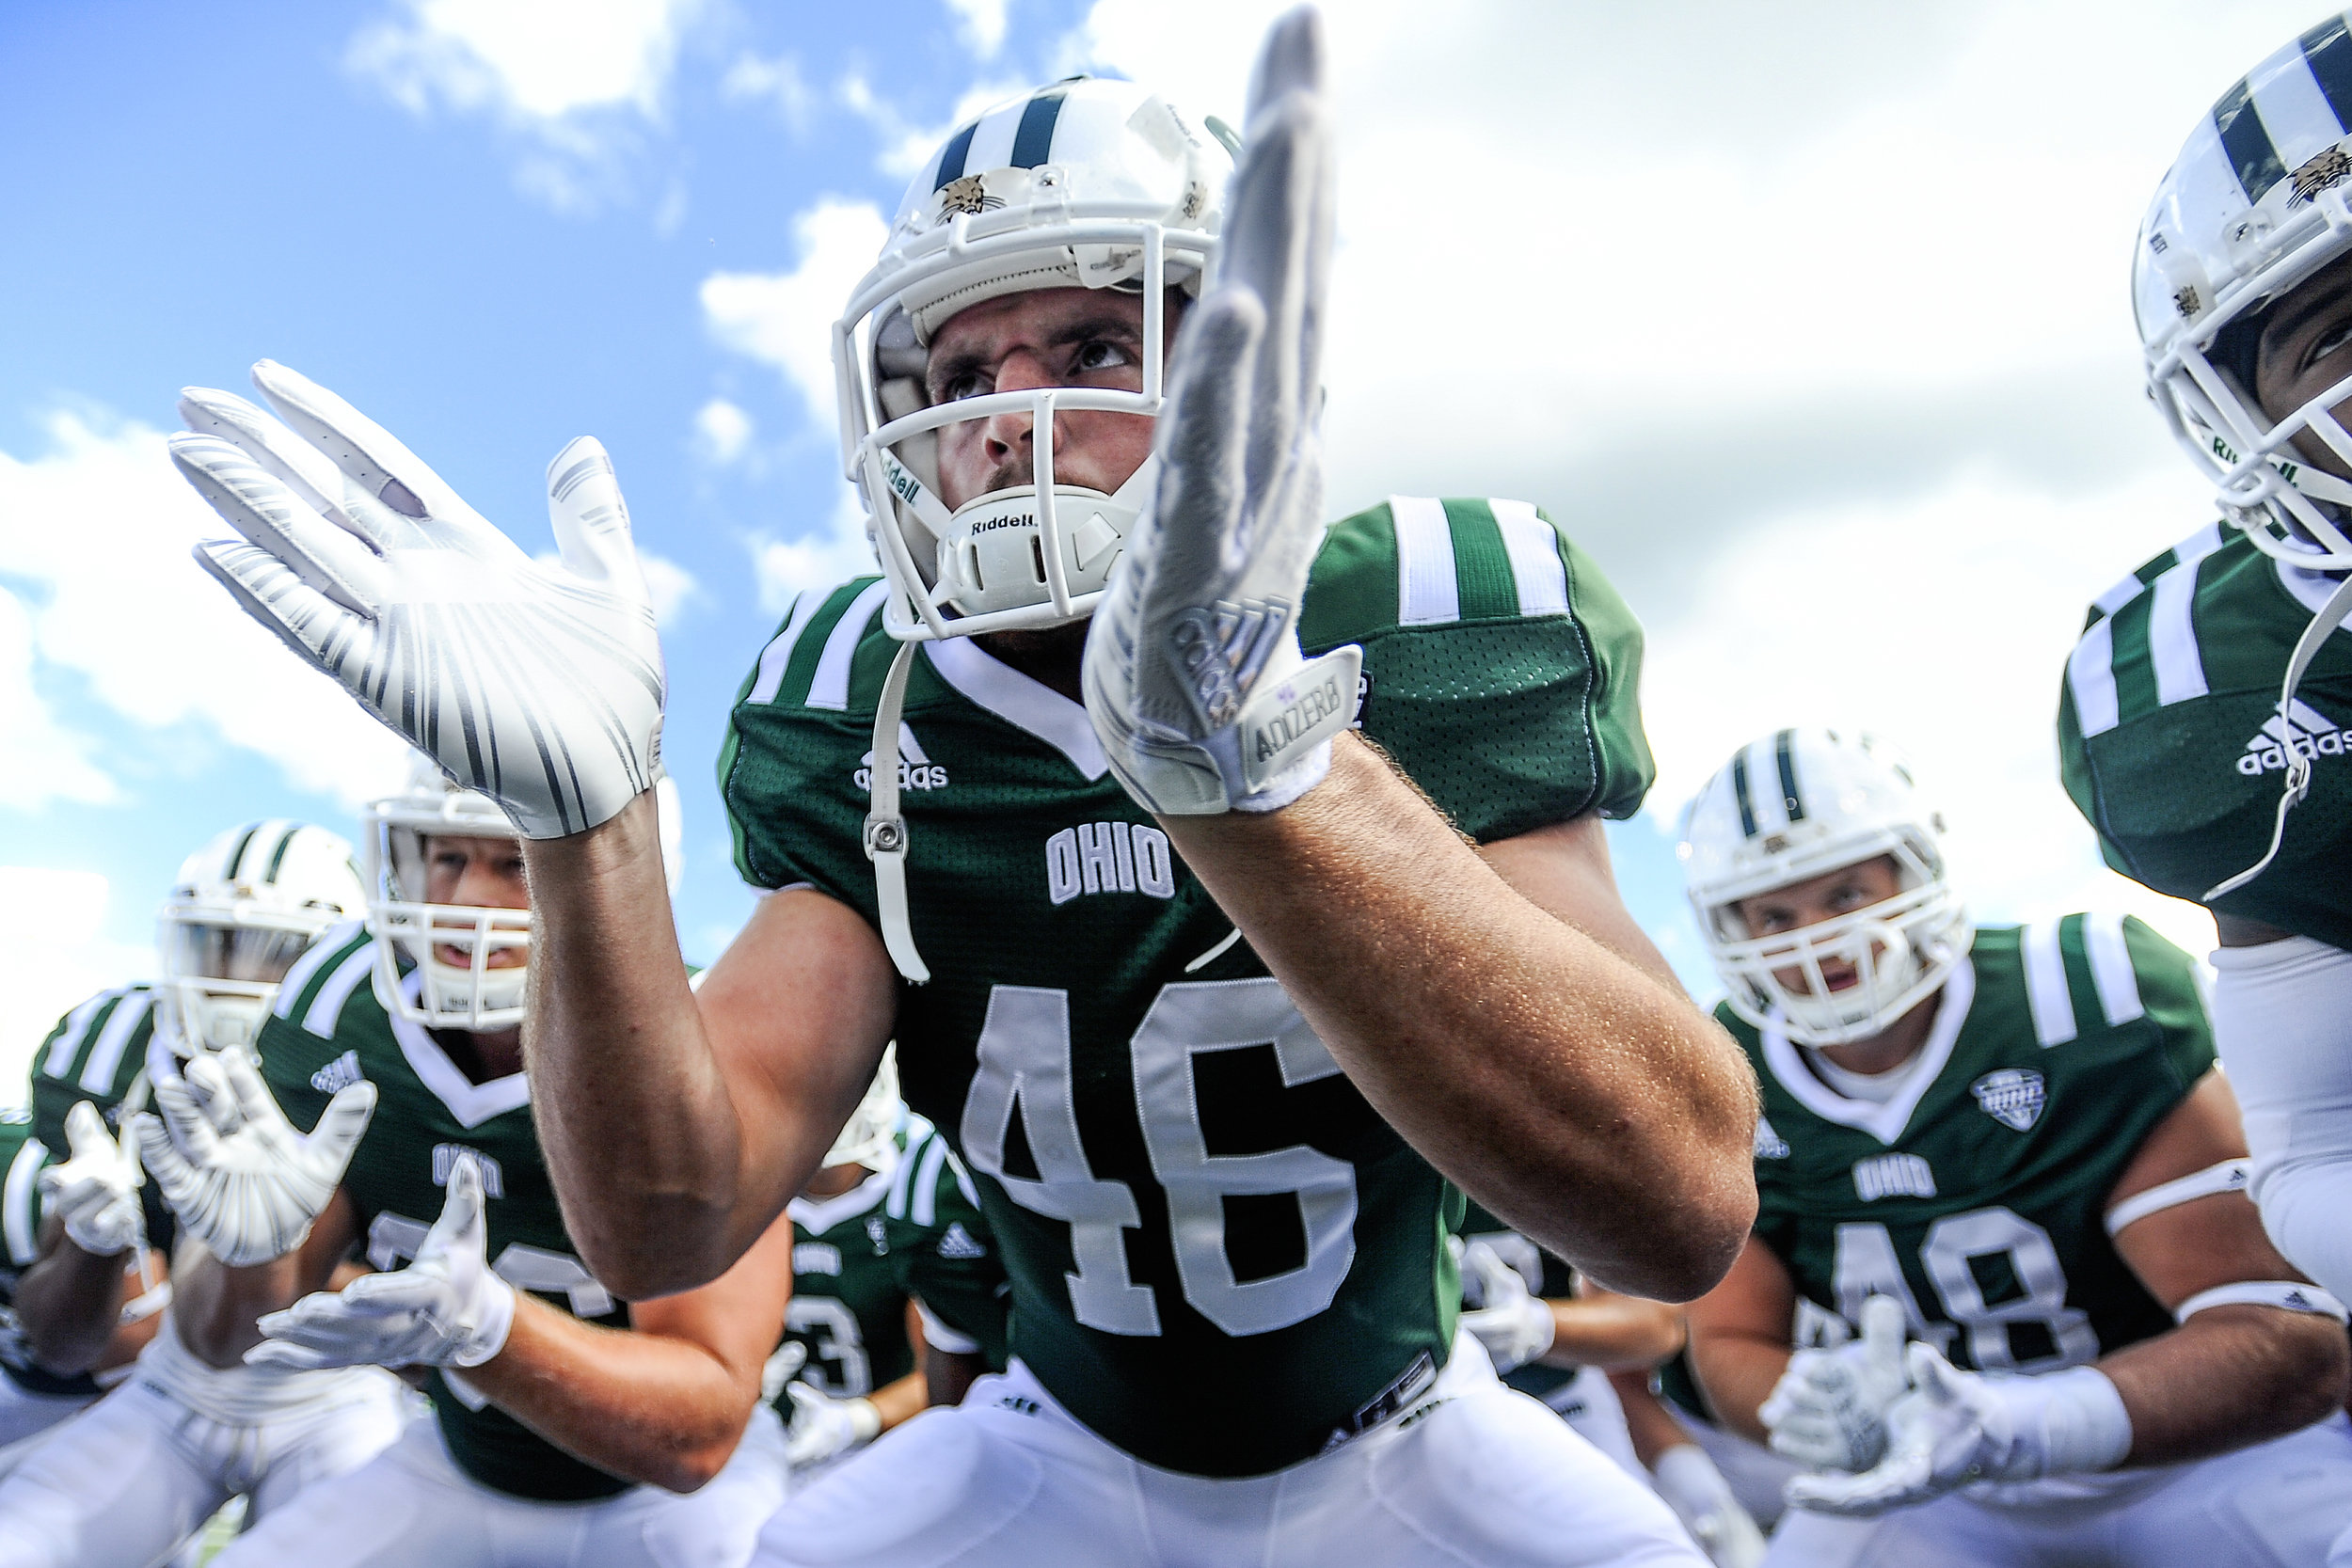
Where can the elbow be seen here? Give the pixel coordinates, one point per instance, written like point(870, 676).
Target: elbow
point(690, 1466)
point(1695, 1238)
point(634, 1274)
point(2314, 1368)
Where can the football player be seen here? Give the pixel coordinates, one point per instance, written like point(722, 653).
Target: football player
point(1206, 989)
point(643, 1419)
point(157, 1456)
point(2008, 1144)
point(948, 1265)
point(2203, 722)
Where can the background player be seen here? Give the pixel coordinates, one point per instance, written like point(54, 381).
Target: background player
point(2010, 1143)
point(1325, 1306)
point(948, 1264)
point(2201, 727)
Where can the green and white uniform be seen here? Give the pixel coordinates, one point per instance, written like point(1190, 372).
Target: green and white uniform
point(25, 1410)
point(945, 1254)
point(848, 1313)
point(471, 1487)
point(1581, 1395)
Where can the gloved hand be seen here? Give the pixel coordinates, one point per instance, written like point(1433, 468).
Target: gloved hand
point(1193, 674)
point(823, 1426)
point(241, 1178)
point(1701, 1499)
point(1828, 1412)
point(539, 685)
point(444, 1309)
point(1514, 1325)
point(1955, 1428)
point(96, 1192)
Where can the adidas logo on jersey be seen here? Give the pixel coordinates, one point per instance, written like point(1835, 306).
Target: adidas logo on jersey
point(1892, 1176)
point(815, 1258)
point(2302, 730)
point(339, 1074)
point(445, 1159)
point(1109, 857)
point(915, 770)
point(2013, 1096)
point(1769, 1143)
point(958, 1242)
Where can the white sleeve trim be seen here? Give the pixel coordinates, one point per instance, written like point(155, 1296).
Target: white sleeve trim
point(2230, 1176)
point(2289, 1295)
point(940, 1336)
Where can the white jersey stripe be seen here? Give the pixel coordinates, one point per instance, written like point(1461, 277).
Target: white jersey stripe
point(831, 686)
point(97, 1072)
point(20, 1218)
point(2118, 597)
point(1427, 591)
point(778, 653)
point(2046, 994)
point(924, 1211)
point(312, 959)
point(61, 1058)
point(1537, 569)
point(2111, 973)
point(326, 1008)
point(2172, 636)
point(2090, 676)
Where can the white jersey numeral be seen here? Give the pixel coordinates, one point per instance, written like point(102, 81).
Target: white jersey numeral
point(1866, 1265)
point(393, 1239)
point(1024, 1055)
point(839, 1364)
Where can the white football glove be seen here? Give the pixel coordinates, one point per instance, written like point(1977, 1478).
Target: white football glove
point(539, 685)
point(96, 1192)
point(241, 1178)
point(823, 1426)
point(1702, 1499)
point(1193, 674)
point(1956, 1428)
point(444, 1309)
point(1828, 1412)
point(1514, 1324)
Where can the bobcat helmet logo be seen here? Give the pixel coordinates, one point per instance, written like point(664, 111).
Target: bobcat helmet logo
point(2013, 1096)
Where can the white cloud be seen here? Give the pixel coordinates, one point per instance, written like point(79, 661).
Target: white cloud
point(672, 586)
point(823, 559)
point(907, 146)
point(63, 769)
point(52, 957)
point(786, 319)
point(722, 433)
point(981, 24)
point(99, 528)
point(751, 78)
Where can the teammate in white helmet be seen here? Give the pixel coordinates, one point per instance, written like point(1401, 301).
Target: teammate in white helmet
point(2202, 722)
point(157, 1456)
point(568, 1427)
point(2009, 1146)
point(1116, 890)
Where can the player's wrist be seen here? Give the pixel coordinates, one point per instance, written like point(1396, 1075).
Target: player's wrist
point(492, 1322)
point(865, 1418)
point(2073, 1423)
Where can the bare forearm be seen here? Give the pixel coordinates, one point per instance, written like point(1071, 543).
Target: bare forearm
point(646, 1408)
point(69, 1302)
point(1612, 1332)
point(214, 1307)
point(897, 1401)
point(1583, 1101)
point(2229, 1377)
point(1737, 1373)
point(1648, 1420)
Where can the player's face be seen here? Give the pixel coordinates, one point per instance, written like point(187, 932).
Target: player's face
point(476, 873)
point(1833, 896)
point(2306, 347)
point(1040, 338)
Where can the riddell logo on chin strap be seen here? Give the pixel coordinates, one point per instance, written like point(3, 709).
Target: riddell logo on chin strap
point(2303, 730)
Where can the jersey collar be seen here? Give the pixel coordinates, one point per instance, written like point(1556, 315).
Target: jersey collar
point(470, 1102)
point(1884, 1122)
point(1026, 704)
point(817, 1215)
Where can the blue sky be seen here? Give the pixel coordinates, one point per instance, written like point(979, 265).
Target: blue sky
point(1868, 480)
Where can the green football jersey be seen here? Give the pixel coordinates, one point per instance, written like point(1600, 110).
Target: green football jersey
point(1546, 1276)
point(21, 1157)
point(848, 1312)
point(941, 1248)
point(97, 1053)
point(1187, 1191)
point(1977, 1196)
point(2172, 743)
point(328, 1030)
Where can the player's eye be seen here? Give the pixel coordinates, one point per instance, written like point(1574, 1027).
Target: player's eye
point(2331, 340)
point(961, 385)
point(1100, 354)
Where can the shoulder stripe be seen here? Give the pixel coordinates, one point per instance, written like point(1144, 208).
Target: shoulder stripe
point(1537, 569)
point(2090, 677)
point(831, 686)
point(97, 1070)
point(2118, 597)
point(71, 1033)
point(777, 654)
point(20, 1214)
point(924, 1211)
point(963, 1179)
point(326, 1008)
point(895, 1200)
point(2172, 636)
point(2046, 994)
point(290, 990)
point(2111, 973)
point(1427, 593)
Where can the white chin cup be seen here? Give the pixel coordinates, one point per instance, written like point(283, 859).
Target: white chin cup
point(993, 554)
point(220, 1015)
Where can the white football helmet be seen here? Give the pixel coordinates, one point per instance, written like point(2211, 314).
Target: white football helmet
point(1801, 803)
point(240, 911)
point(871, 1136)
point(1086, 182)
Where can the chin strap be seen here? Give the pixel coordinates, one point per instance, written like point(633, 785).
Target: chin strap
point(885, 829)
point(2299, 775)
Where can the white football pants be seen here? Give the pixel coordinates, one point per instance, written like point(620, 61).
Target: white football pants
point(130, 1478)
point(1009, 1480)
point(2282, 1020)
point(412, 1505)
point(2279, 1504)
point(27, 1418)
point(1589, 1404)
